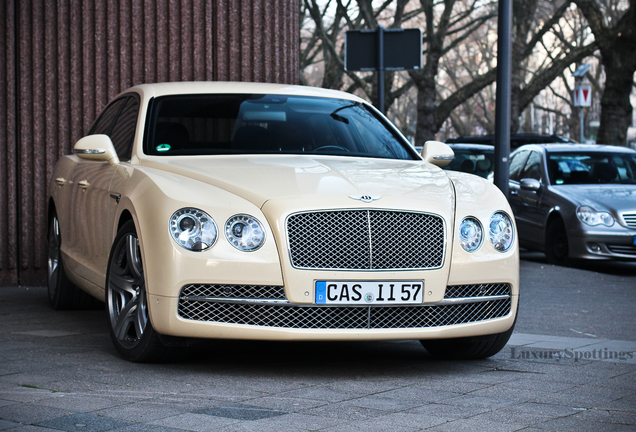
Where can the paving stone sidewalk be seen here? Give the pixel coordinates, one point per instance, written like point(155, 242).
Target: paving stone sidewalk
point(59, 371)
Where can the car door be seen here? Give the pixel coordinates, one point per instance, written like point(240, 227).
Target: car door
point(517, 162)
point(530, 217)
point(94, 208)
point(86, 181)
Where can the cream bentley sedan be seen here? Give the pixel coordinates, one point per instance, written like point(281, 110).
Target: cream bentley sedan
point(275, 212)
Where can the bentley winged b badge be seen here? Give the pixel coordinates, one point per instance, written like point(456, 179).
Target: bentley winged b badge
point(365, 198)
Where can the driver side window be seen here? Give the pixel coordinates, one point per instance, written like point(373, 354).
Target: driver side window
point(532, 167)
point(516, 164)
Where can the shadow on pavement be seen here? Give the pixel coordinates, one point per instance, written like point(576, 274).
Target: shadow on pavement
point(619, 268)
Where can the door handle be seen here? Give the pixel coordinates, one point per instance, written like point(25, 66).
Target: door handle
point(61, 181)
point(83, 184)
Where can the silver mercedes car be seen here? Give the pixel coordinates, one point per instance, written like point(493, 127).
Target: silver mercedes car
point(575, 200)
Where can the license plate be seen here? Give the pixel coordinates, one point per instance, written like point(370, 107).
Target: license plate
point(369, 292)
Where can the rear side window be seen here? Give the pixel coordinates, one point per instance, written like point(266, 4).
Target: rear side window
point(104, 123)
point(123, 131)
point(119, 122)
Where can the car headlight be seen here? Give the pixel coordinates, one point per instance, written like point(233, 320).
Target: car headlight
point(245, 232)
point(470, 234)
point(193, 229)
point(501, 231)
point(589, 216)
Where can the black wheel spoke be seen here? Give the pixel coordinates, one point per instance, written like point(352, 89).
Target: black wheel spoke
point(127, 309)
point(132, 255)
point(126, 319)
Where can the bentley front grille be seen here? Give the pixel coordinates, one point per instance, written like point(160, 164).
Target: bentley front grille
point(479, 303)
point(365, 240)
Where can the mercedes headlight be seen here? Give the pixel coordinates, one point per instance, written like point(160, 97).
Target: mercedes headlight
point(193, 229)
point(501, 231)
point(245, 232)
point(470, 234)
point(589, 216)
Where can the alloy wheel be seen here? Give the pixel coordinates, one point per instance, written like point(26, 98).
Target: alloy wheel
point(126, 295)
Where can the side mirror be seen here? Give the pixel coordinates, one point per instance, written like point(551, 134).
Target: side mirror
point(97, 148)
point(530, 184)
point(437, 153)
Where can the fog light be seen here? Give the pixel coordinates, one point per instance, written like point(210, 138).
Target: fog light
point(594, 247)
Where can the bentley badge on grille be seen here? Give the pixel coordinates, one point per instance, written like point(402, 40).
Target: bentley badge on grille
point(365, 198)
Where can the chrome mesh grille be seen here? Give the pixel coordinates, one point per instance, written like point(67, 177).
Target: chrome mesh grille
point(365, 239)
point(476, 290)
point(234, 291)
point(630, 219)
point(350, 317)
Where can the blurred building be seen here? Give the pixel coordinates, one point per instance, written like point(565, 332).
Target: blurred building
point(61, 61)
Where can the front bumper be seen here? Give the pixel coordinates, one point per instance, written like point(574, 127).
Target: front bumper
point(467, 310)
point(618, 244)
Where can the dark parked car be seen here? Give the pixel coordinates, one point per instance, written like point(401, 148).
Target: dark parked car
point(475, 159)
point(516, 140)
point(575, 200)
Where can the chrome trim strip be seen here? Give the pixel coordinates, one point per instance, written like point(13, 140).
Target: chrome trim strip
point(276, 302)
point(464, 300)
point(89, 151)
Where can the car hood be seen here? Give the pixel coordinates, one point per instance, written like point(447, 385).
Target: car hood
point(619, 198)
point(261, 178)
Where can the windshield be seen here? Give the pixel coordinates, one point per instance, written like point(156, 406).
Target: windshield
point(592, 168)
point(269, 124)
point(472, 161)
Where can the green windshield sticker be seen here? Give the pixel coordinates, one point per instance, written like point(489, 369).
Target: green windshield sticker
point(559, 181)
point(163, 147)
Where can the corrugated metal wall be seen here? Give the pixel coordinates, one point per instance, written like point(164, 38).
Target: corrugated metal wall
point(61, 61)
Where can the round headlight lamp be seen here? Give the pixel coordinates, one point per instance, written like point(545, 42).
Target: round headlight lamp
point(589, 216)
point(193, 229)
point(501, 231)
point(245, 232)
point(471, 234)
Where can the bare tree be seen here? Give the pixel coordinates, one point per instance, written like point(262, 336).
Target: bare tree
point(616, 39)
point(452, 28)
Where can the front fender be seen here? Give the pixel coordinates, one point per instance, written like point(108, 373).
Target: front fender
point(481, 199)
point(152, 196)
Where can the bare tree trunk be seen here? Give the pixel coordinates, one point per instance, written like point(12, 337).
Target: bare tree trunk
point(616, 108)
point(618, 47)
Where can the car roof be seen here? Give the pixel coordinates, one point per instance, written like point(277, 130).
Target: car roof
point(516, 140)
point(483, 147)
point(226, 87)
point(567, 148)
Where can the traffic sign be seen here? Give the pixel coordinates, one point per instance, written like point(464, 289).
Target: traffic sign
point(582, 94)
point(402, 49)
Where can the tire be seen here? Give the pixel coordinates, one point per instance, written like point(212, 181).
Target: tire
point(63, 295)
point(556, 243)
point(468, 348)
point(126, 302)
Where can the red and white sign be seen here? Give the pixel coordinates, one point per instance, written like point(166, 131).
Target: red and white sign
point(583, 94)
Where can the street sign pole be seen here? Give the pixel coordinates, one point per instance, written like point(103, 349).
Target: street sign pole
point(381, 69)
point(582, 116)
point(582, 95)
point(383, 49)
point(502, 109)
